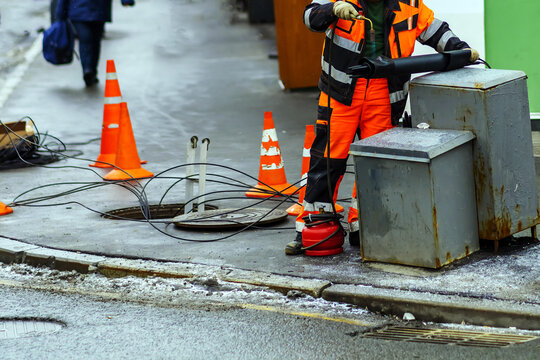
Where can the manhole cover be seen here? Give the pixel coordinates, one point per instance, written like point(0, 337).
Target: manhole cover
point(447, 337)
point(163, 211)
point(10, 329)
point(229, 218)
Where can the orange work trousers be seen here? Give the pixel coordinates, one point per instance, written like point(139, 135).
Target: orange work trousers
point(368, 114)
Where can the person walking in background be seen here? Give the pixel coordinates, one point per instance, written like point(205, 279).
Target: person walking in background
point(88, 18)
point(53, 10)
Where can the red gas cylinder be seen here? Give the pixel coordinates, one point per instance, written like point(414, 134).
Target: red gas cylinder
point(311, 235)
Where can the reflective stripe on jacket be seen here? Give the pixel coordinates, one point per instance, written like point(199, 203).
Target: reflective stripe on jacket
point(405, 21)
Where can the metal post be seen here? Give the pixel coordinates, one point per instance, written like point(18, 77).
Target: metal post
point(190, 173)
point(202, 173)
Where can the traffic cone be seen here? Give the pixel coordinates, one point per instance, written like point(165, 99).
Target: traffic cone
point(127, 158)
point(4, 210)
point(111, 119)
point(352, 218)
point(297, 208)
point(272, 179)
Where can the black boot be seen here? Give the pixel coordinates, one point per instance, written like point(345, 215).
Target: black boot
point(295, 247)
point(90, 79)
point(354, 238)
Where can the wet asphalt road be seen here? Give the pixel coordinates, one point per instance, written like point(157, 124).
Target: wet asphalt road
point(116, 320)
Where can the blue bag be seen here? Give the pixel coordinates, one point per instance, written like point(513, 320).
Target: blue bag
point(58, 43)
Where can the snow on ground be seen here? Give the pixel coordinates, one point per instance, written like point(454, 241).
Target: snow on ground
point(511, 276)
point(201, 291)
point(170, 292)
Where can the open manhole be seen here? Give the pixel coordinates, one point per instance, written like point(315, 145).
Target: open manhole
point(229, 218)
point(16, 328)
point(162, 211)
point(449, 337)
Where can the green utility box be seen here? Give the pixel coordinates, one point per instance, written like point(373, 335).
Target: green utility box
point(512, 41)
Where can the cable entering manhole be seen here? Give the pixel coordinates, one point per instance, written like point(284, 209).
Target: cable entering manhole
point(17, 328)
point(163, 211)
point(450, 337)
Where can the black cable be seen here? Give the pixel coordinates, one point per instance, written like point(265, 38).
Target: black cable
point(241, 184)
point(135, 187)
point(482, 61)
point(57, 152)
point(287, 197)
point(28, 151)
point(334, 217)
point(325, 239)
point(84, 142)
point(249, 226)
point(281, 201)
point(328, 181)
point(275, 191)
point(140, 194)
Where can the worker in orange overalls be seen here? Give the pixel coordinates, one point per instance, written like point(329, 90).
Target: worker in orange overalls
point(361, 106)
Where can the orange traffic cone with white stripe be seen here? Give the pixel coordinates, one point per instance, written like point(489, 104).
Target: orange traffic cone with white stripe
point(352, 218)
point(272, 179)
point(4, 210)
point(111, 119)
point(297, 208)
point(127, 158)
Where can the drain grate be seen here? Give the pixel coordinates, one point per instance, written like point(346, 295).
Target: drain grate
point(448, 337)
point(11, 329)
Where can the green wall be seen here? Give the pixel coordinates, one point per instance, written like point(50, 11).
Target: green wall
point(513, 40)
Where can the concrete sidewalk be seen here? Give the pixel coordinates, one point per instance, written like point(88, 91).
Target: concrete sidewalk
point(211, 76)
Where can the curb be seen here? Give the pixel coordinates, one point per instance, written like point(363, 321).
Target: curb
point(424, 306)
point(438, 308)
point(13, 251)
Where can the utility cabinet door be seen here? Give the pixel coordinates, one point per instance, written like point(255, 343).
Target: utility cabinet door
point(299, 49)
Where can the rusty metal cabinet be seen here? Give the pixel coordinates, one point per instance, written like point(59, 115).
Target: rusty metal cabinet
point(416, 200)
point(493, 104)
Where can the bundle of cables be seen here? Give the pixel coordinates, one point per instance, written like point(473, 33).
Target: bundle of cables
point(24, 153)
point(24, 148)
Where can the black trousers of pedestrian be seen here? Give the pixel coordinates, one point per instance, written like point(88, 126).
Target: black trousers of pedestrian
point(90, 34)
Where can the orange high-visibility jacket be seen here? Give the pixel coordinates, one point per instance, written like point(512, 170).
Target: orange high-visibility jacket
point(405, 21)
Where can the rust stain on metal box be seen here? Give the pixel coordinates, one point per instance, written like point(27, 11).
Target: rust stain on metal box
point(479, 86)
point(435, 227)
point(498, 227)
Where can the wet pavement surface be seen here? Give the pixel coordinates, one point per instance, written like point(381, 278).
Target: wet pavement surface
point(16, 36)
point(204, 316)
point(206, 73)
